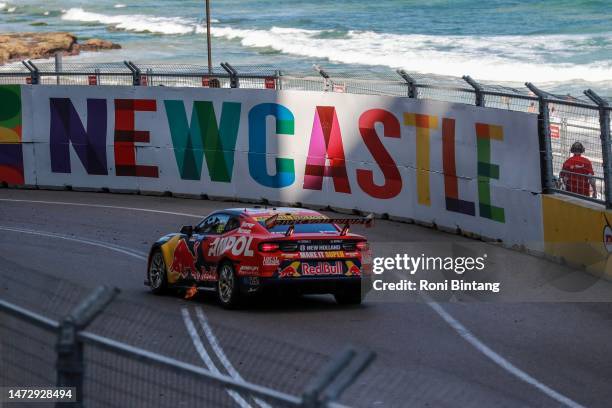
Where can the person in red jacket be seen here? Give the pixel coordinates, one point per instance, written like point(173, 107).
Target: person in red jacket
point(577, 171)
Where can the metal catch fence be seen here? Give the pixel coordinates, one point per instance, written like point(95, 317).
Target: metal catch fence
point(563, 119)
point(70, 352)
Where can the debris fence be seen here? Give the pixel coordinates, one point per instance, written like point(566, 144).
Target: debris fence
point(563, 119)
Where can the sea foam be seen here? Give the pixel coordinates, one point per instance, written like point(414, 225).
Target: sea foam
point(495, 58)
point(135, 22)
point(537, 58)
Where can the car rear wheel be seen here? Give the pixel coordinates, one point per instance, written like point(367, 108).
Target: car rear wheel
point(350, 295)
point(158, 279)
point(228, 291)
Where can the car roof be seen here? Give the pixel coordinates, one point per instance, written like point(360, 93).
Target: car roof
point(270, 211)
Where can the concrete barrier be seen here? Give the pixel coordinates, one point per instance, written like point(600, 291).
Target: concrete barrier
point(458, 167)
point(578, 232)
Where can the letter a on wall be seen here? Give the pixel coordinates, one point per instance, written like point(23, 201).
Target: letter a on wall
point(11, 154)
point(326, 144)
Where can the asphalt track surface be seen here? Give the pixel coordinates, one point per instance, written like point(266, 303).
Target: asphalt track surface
point(439, 354)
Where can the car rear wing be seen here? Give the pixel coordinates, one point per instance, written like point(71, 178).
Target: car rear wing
point(292, 221)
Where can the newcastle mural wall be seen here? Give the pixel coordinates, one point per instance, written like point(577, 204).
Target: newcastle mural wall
point(459, 166)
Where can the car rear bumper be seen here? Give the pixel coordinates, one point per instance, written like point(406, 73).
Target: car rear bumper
point(305, 285)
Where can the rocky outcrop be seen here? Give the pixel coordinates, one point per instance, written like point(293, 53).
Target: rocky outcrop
point(96, 44)
point(18, 46)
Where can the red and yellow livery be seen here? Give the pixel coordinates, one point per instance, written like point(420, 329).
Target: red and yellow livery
point(238, 252)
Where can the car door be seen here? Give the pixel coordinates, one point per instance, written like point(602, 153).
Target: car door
point(206, 234)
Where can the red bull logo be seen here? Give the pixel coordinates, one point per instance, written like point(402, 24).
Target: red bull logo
point(322, 268)
point(183, 261)
point(290, 271)
point(353, 270)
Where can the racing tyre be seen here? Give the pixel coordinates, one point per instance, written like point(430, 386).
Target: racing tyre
point(349, 296)
point(228, 291)
point(158, 279)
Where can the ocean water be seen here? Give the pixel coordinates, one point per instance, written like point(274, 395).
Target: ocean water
point(561, 45)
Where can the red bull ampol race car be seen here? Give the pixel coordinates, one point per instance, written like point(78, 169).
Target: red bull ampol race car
point(245, 251)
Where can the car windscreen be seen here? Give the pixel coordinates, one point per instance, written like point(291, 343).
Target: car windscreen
point(304, 228)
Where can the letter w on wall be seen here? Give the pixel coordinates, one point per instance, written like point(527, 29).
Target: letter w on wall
point(204, 138)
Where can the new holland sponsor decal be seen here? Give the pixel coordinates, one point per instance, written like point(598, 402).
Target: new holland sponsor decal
point(319, 247)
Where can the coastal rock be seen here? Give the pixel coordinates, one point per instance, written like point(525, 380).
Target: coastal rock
point(96, 44)
point(17, 46)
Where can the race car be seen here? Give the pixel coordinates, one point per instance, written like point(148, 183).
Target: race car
point(239, 252)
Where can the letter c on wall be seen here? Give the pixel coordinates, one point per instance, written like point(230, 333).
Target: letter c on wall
point(285, 124)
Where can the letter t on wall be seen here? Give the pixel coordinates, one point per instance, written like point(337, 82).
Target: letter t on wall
point(424, 124)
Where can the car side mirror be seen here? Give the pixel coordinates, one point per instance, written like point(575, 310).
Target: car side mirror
point(187, 230)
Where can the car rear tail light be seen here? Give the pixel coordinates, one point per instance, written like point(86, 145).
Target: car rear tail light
point(268, 247)
point(363, 246)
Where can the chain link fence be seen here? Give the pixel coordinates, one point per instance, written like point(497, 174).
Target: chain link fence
point(117, 352)
point(564, 119)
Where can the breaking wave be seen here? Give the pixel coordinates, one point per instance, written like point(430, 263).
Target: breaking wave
point(508, 58)
point(136, 22)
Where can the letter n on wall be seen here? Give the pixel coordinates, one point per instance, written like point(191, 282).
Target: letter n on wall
point(66, 128)
point(487, 171)
point(11, 153)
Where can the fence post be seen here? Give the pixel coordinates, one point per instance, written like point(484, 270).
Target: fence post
point(324, 75)
point(135, 72)
point(59, 66)
point(234, 81)
point(70, 361)
point(326, 375)
point(546, 164)
point(412, 85)
point(480, 100)
point(279, 80)
point(606, 154)
point(34, 73)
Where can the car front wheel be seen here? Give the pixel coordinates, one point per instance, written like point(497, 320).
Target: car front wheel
point(158, 280)
point(228, 291)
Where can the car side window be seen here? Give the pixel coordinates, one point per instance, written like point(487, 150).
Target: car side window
point(232, 224)
point(213, 224)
